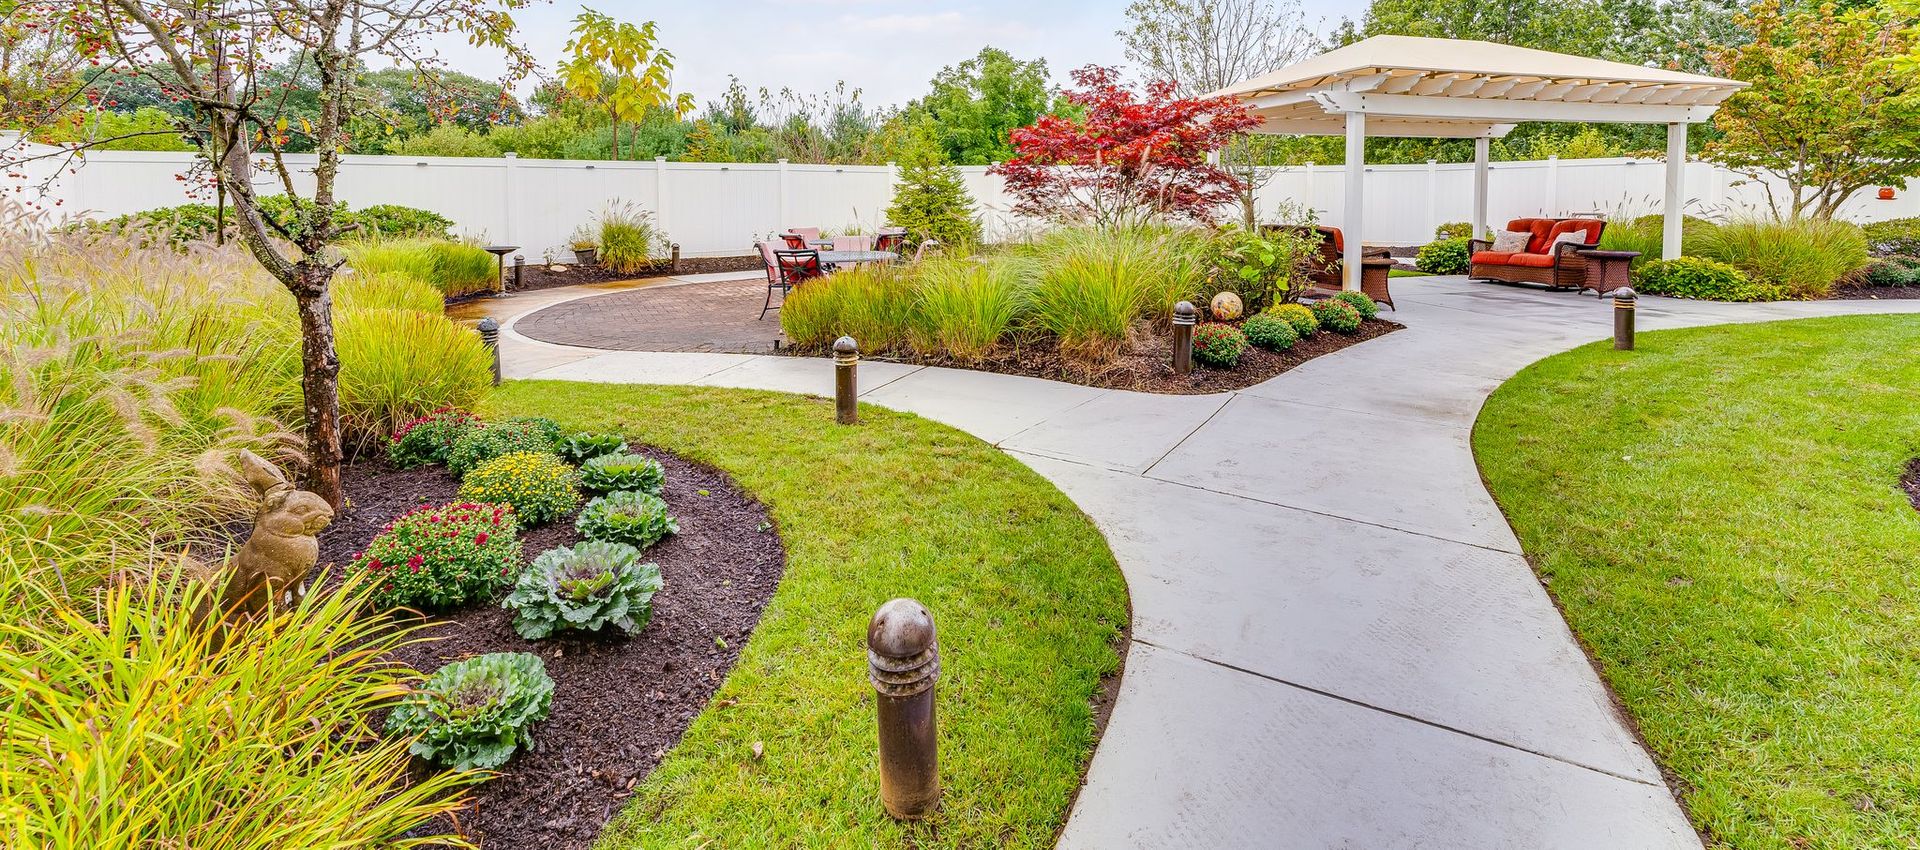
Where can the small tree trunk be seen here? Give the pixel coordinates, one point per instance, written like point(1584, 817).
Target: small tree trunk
point(320, 380)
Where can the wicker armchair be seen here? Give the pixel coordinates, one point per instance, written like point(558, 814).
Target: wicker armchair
point(1550, 263)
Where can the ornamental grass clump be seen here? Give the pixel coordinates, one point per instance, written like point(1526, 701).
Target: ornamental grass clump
point(582, 447)
point(486, 442)
point(1270, 332)
point(1217, 344)
point(1336, 315)
point(538, 486)
point(454, 268)
point(1801, 258)
point(397, 364)
point(1302, 319)
point(385, 290)
point(965, 306)
point(427, 439)
point(473, 714)
point(436, 558)
point(613, 473)
point(586, 587)
point(634, 518)
point(628, 239)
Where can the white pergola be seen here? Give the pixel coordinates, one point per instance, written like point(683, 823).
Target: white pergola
point(1403, 86)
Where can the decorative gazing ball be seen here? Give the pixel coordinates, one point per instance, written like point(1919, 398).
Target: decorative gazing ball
point(1226, 306)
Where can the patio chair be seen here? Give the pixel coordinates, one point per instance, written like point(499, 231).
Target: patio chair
point(852, 243)
point(890, 240)
point(787, 269)
point(808, 235)
point(795, 241)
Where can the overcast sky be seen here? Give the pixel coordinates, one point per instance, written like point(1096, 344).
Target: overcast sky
point(889, 50)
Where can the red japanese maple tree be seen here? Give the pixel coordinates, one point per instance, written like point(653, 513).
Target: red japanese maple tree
point(1128, 159)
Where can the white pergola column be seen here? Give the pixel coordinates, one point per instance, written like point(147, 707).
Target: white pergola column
point(1674, 209)
point(1356, 199)
point(1482, 154)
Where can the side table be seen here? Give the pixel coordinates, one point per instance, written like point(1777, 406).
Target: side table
point(1607, 270)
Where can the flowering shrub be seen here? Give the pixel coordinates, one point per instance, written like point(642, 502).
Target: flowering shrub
point(538, 486)
point(1297, 315)
point(580, 448)
point(1443, 256)
point(588, 587)
point(429, 438)
point(487, 442)
point(626, 516)
point(1360, 303)
point(473, 714)
point(1216, 344)
point(1336, 315)
point(442, 557)
point(613, 473)
point(1270, 332)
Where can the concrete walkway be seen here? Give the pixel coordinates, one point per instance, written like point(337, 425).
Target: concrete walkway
point(1336, 640)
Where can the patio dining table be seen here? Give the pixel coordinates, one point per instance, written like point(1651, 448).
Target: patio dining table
point(839, 257)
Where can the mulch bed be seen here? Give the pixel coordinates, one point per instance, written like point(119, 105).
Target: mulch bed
point(1864, 293)
point(620, 703)
point(1148, 364)
point(1910, 482)
point(536, 276)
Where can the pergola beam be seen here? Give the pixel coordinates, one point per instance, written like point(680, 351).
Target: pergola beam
point(1507, 111)
point(1334, 125)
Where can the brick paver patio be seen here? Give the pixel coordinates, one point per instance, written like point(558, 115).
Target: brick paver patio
point(716, 316)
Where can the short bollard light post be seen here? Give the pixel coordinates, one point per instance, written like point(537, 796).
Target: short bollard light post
point(490, 337)
point(846, 391)
point(519, 267)
point(1623, 308)
point(903, 662)
point(1184, 315)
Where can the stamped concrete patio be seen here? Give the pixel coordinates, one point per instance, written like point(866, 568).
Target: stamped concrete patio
point(1337, 642)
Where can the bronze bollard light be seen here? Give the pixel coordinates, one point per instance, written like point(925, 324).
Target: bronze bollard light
point(903, 661)
point(1183, 318)
point(1623, 306)
point(519, 266)
point(846, 405)
point(490, 337)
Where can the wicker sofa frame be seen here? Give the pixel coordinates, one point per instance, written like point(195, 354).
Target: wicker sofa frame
point(1568, 269)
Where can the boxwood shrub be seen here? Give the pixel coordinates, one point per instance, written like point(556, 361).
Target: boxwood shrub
point(1443, 256)
point(1360, 303)
point(473, 714)
point(1217, 344)
point(586, 587)
point(434, 558)
point(539, 486)
point(1270, 332)
point(613, 473)
point(1298, 316)
point(1336, 315)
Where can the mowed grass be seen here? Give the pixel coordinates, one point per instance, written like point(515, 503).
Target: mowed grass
point(1720, 516)
point(1026, 596)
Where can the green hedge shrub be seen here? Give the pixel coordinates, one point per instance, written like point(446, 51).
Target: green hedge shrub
point(473, 714)
point(196, 222)
point(486, 442)
point(627, 516)
point(1699, 277)
point(587, 587)
point(1217, 344)
point(1270, 332)
point(1360, 303)
point(1893, 271)
point(428, 439)
point(1898, 237)
point(540, 487)
point(1443, 256)
point(1336, 315)
point(435, 558)
point(613, 473)
point(1298, 316)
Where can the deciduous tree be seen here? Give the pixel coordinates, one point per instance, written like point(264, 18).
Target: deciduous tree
point(641, 78)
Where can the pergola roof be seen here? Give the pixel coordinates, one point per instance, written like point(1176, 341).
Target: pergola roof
point(1442, 88)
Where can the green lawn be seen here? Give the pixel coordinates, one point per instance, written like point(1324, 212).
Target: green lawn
point(1406, 273)
point(1719, 514)
point(1026, 595)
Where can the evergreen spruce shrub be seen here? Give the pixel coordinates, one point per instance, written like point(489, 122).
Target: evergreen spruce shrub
point(631, 517)
point(435, 558)
point(473, 714)
point(538, 486)
point(1360, 303)
point(429, 438)
point(486, 442)
point(931, 202)
point(1336, 315)
point(586, 587)
point(1297, 315)
point(613, 473)
point(1217, 344)
point(1270, 332)
point(1699, 277)
point(1443, 256)
point(582, 447)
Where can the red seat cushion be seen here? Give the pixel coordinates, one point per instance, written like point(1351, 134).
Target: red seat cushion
point(1538, 261)
point(1589, 229)
point(1492, 258)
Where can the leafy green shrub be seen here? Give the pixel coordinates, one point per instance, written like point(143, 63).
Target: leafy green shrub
point(635, 518)
point(435, 558)
point(428, 439)
point(613, 473)
point(1360, 303)
point(1453, 230)
point(1262, 266)
point(585, 588)
point(628, 239)
point(398, 364)
point(539, 486)
point(1302, 319)
point(386, 291)
point(1893, 271)
point(965, 306)
point(455, 268)
point(394, 220)
point(931, 202)
point(1270, 331)
point(1336, 315)
point(486, 442)
point(1217, 344)
point(1898, 237)
point(1800, 258)
point(1699, 277)
point(582, 447)
point(473, 714)
point(1443, 256)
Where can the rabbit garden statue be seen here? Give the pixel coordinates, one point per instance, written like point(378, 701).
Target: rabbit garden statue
point(271, 570)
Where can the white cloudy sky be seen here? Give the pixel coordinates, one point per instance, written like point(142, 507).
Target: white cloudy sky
point(886, 48)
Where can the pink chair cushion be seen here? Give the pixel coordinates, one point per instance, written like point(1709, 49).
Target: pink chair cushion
point(811, 234)
point(852, 243)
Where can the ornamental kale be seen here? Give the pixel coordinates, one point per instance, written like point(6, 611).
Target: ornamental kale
point(473, 714)
point(612, 473)
point(627, 516)
point(586, 588)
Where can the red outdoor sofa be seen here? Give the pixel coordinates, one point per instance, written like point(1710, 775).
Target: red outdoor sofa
point(1557, 265)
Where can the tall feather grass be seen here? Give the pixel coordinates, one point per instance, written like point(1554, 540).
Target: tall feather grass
point(385, 290)
point(1806, 257)
point(397, 364)
point(1092, 285)
point(454, 268)
point(965, 307)
point(628, 238)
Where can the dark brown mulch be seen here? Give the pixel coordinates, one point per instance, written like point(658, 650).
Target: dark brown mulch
point(536, 276)
point(1910, 482)
point(1148, 365)
point(1865, 293)
point(619, 702)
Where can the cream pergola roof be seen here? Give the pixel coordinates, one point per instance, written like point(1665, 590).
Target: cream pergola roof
point(1452, 88)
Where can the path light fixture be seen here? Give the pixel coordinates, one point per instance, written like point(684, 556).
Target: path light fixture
point(1184, 315)
point(1623, 309)
point(490, 337)
point(903, 663)
point(846, 359)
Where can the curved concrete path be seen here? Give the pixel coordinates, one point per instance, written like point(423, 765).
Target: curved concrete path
point(1336, 640)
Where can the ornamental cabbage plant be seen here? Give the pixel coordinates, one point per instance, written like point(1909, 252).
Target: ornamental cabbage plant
point(628, 516)
point(587, 587)
point(611, 473)
point(473, 714)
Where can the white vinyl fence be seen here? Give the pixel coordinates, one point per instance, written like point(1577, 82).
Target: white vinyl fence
point(716, 209)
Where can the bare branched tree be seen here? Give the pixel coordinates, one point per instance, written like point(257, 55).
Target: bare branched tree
point(1204, 46)
point(213, 58)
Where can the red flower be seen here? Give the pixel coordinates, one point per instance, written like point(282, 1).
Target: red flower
point(480, 539)
point(415, 562)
